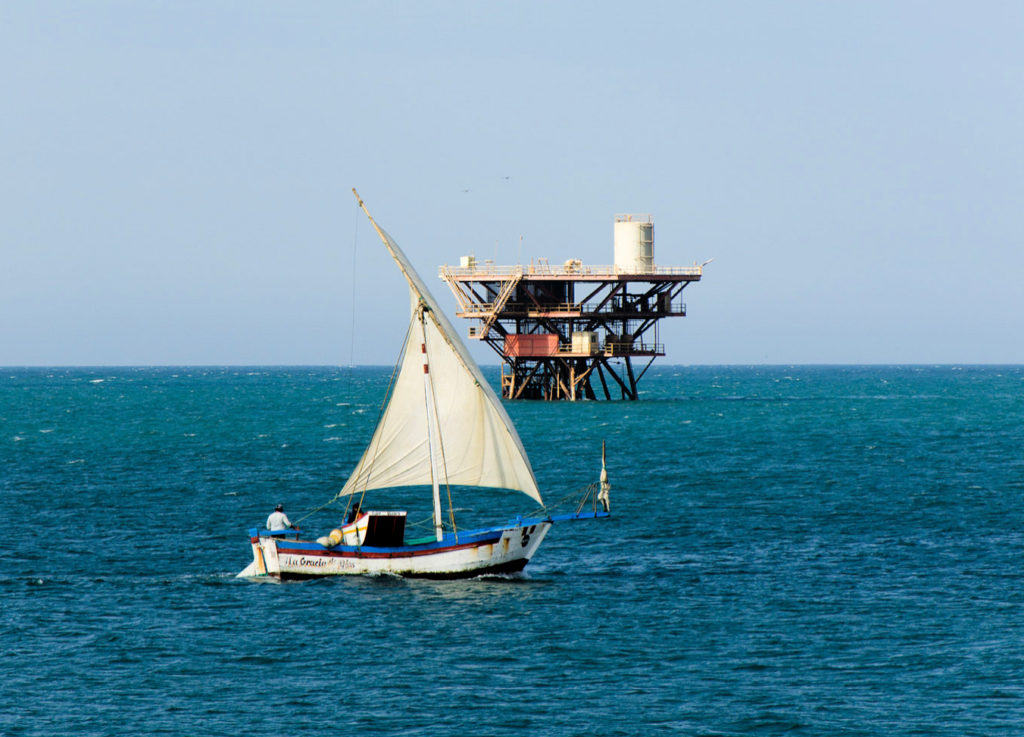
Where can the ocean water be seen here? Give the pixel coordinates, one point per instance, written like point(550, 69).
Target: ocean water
point(793, 550)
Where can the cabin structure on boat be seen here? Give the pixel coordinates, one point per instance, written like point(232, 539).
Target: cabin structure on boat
point(574, 331)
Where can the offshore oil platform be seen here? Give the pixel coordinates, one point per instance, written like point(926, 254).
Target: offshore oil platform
point(556, 328)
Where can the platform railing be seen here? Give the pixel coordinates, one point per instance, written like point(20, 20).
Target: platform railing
point(675, 307)
point(484, 271)
point(611, 350)
point(624, 349)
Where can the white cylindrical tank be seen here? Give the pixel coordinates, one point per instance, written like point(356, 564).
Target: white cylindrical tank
point(634, 243)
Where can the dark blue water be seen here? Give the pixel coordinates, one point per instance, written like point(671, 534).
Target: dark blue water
point(809, 551)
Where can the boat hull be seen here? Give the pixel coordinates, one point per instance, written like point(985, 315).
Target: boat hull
point(465, 555)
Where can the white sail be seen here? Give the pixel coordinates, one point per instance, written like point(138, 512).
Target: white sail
point(478, 444)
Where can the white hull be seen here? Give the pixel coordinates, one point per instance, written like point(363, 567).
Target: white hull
point(473, 553)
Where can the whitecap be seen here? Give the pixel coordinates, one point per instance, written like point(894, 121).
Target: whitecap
point(97, 381)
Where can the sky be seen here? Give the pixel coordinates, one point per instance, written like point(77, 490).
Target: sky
point(177, 176)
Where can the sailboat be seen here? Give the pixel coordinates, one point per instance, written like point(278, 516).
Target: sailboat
point(442, 426)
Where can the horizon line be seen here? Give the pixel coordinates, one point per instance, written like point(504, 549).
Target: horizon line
point(492, 365)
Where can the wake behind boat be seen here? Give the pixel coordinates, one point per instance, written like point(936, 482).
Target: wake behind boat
point(442, 426)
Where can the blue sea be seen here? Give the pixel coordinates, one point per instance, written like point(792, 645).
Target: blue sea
point(793, 550)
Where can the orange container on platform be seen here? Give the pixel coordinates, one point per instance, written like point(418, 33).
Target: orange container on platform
point(534, 344)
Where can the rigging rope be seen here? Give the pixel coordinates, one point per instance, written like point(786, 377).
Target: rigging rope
point(380, 414)
point(588, 492)
point(352, 311)
point(572, 497)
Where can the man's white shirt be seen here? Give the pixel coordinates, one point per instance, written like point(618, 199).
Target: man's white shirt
point(278, 521)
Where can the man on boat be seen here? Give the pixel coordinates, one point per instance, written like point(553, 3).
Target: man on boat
point(278, 520)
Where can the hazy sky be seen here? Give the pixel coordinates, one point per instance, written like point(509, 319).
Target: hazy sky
point(176, 176)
